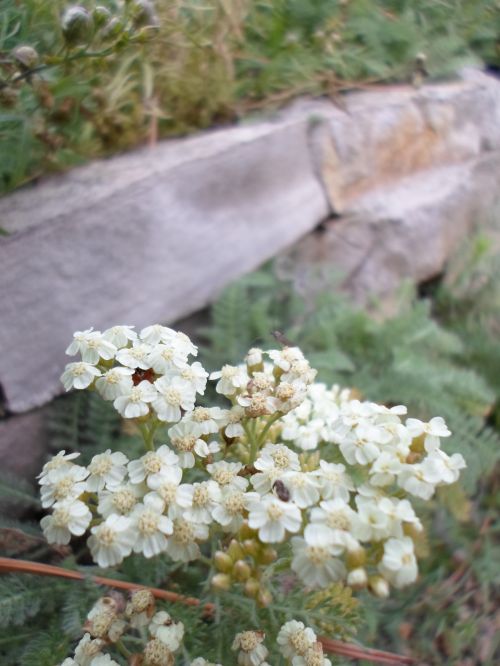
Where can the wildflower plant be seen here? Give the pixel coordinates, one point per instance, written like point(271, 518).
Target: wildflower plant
point(285, 475)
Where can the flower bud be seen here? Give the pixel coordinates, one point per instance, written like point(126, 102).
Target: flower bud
point(246, 532)
point(77, 26)
point(264, 598)
point(268, 555)
point(101, 15)
point(221, 582)
point(252, 587)
point(223, 562)
point(143, 14)
point(251, 547)
point(235, 551)
point(26, 56)
point(241, 570)
point(357, 578)
point(379, 586)
point(112, 29)
point(355, 558)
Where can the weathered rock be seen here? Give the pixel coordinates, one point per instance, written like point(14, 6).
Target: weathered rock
point(386, 134)
point(23, 443)
point(406, 231)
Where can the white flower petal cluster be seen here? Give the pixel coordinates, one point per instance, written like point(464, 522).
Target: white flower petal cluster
point(140, 373)
point(326, 476)
point(299, 644)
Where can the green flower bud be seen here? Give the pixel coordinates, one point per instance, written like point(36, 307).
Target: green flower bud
point(101, 15)
point(241, 570)
point(143, 14)
point(112, 29)
point(223, 562)
point(252, 588)
point(77, 26)
point(26, 56)
point(221, 582)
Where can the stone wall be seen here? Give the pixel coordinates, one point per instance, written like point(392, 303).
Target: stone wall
point(396, 177)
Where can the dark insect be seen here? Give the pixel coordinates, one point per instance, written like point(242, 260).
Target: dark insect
point(281, 491)
point(141, 375)
point(282, 339)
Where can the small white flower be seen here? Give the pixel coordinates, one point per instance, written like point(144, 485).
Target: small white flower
point(66, 482)
point(313, 657)
point(385, 469)
point(274, 460)
point(357, 449)
point(120, 500)
point(313, 558)
point(182, 546)
point(88, 649)
point(150, 527)
point(92, 346)
point(419, 480)
point(120, 336)
point(339, 523)
point(303, 488)
point(79, 375)
point(135, 357)
point(112, 540)
point(199, 500)
point(173, 394)
point(182, 342)
point(283, 358)
point(157, 333)
point(434, 430)
point(226, 474)
point(254, 357)
point(231, 508)
point(135, 402)
point(115, 382)
point(234, 418)
point(231, 378)
point(166, 358)
point(155, 466)
point(185, 437)
point(441, 468)
point(398, 564)
point(295, 639)
point(106, 469)
point(62, 459)
point(252, 651)
point(334, 482)
point(69, 517)
point(168, 632)
point(377, 523)
point(272, 518)
point(195, 376)
point(208, 419)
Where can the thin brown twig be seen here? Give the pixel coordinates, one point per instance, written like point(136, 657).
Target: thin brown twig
point(10, 565)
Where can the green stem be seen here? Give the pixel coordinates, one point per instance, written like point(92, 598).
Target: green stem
point(122, 649)
point(268, 425)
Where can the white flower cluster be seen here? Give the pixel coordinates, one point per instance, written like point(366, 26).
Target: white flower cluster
point(299, 645)
point(388, 458)
point(138, 372)
point(111, 619)
point(339, 486)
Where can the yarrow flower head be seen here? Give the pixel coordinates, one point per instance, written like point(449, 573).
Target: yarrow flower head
point(287, 468)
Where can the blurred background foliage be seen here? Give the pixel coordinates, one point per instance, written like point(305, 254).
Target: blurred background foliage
point(125, 72)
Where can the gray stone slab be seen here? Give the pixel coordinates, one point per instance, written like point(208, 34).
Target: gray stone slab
point(147, 237)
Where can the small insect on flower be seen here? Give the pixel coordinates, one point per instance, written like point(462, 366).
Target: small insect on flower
point(281, 491)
